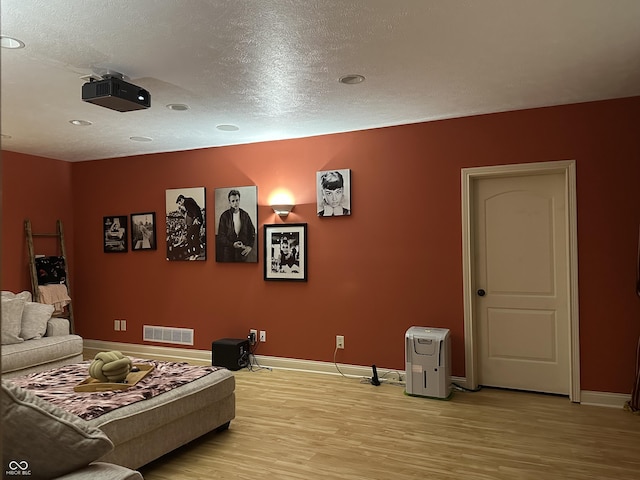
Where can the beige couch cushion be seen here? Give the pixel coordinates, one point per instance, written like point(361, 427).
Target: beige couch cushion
point(51, 441)
point(103, 471)
point(41, 354)
point(25, 295)
point(34, 320)
point(12, 320)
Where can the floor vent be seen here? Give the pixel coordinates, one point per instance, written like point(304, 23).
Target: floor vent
point(181, 336)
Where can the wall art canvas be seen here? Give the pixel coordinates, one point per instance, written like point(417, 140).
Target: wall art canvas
point(236, 211)
point(285, 252)
point(186, 224)
point(143, 231)
point(114, 234)
point(334, 193)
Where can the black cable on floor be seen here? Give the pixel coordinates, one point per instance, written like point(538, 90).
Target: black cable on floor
point(253, 365)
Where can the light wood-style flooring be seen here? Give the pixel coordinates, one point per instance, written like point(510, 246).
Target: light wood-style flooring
point(299, 425)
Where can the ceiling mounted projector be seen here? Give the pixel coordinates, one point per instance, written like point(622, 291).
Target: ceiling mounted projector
point(114, 93)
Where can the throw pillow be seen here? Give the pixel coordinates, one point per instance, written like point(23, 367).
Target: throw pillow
point(12, 320)
point(48, 440)
point(34, 320)
point(26, 295)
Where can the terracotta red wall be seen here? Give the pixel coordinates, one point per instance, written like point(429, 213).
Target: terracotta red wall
point(39, 189)
point(396, 262)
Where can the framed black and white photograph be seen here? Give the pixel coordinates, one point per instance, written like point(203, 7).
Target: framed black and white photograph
point(143, 231)
point(186, 224)
point(114, 234)
point(334, 193)
point(285, 252)
point(236, 212)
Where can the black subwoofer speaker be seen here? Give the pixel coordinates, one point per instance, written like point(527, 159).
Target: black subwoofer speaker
point(231, 353)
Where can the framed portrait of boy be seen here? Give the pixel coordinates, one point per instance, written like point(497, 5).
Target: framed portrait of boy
point(334, 193)
point(285, 252)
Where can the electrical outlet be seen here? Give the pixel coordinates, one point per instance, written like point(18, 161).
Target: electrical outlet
point(263, 336)
point(123, 325)
point(116, 325)
point(339, 341)
point(253, 336)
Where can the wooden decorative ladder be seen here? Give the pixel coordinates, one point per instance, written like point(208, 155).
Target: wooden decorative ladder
point(68, 312)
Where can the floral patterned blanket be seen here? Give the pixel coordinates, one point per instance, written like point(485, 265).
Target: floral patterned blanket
point(56, 386)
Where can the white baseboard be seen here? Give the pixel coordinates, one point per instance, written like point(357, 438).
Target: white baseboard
point(604, 399)
point(91, 347)
point(191, 355)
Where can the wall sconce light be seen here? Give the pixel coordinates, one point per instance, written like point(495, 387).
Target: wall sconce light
point(282, 210)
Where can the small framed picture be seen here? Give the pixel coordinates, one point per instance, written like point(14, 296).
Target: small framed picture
point(115, 235)
point(285, 252)
point(334, 193)
point(143, 231)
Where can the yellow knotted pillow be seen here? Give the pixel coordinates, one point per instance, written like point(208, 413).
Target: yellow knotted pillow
point(110, 367)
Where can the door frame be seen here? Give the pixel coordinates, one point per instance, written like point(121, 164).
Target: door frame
point(469, 177)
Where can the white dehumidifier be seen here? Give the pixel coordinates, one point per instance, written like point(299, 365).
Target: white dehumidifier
point(428, 367)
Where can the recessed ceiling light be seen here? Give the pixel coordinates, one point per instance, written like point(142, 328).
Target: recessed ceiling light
point(10, 42)
point(351, 79)
point(226, 127)
point(80, 123)
point(178, 107)
point(141, 139)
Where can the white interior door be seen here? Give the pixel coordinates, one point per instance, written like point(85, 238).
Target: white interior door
point(521, 278)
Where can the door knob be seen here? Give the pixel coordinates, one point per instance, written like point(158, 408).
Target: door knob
point(481, 293)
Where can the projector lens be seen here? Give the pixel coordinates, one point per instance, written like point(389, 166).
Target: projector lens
point(143, 95)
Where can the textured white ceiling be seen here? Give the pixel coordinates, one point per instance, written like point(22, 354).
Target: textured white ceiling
point(271, 67)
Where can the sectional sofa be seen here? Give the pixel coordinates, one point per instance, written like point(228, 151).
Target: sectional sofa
point(33, 340)
point(139, 432)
